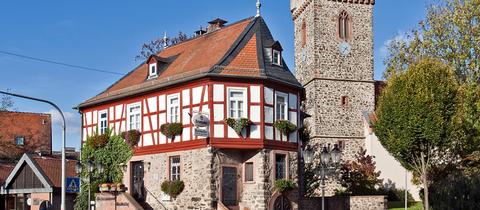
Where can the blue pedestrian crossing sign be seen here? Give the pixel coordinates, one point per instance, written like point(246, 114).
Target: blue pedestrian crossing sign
point(73, 185)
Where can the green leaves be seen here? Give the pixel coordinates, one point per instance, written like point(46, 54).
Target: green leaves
point(171, 130)
point(172, 188)
point(416, 110)
point(238, 124)
point(285, 126)
point(114, 153)
point(283, 185)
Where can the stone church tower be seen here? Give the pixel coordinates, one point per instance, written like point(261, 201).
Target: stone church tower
point(334, 62)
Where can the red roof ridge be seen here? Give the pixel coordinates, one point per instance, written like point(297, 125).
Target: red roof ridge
point(35, 113)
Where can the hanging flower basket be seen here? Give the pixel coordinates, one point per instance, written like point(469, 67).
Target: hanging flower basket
point(171, 130)
point(284, 186)
point(172, 188)
point(100, 140)
point(132, 137)
point(238, 124)
point(285, 126)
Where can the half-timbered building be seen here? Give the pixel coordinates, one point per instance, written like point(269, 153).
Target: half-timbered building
point(228, 72)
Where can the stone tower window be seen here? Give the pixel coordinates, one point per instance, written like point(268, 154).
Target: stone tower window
point(344, 25)
point(345, 101)
point(304, 33)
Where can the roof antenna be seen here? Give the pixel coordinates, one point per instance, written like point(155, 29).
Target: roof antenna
point(258, 8)
point(165, 44)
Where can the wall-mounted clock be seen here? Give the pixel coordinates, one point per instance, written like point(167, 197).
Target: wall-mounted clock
point(344, 48)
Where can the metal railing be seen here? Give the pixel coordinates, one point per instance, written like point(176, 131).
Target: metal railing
point(155, 197)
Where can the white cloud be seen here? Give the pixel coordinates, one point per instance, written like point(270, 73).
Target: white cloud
point(73, 120)
point(401, 36)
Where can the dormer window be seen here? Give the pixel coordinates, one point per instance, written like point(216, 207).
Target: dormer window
point(153, 71)
point(277, 57)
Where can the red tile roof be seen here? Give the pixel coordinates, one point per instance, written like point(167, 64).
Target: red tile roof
point(5, 170)
point(234, 50)
point(51, 167)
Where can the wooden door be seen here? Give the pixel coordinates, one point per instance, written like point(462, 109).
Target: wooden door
point(229, 186)
point(137, 181)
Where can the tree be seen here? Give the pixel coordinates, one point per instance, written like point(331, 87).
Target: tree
point(415, 115)
point(6, 102)
point(450, 32)
point(111, 151)
point(158, 45)
point(359, 177)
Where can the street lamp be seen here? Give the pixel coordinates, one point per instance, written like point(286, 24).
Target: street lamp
point(326, 166)
point(90, 168)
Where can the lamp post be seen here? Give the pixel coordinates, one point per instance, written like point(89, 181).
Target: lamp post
point(329, 161)
point(64, 139)
point(90, 168)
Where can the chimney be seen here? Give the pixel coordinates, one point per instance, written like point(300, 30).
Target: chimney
point(215, 25)
point(199, 32)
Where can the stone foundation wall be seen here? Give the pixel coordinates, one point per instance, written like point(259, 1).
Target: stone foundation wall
point(346, 203)
point(195, 173)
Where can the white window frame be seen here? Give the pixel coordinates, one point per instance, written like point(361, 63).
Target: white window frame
point(139, 112)
point(178, 167)
point(285, 103)
point(244, 99)
point(101, 129)
point(150, 73)
point(278, 61)
point(170, 106)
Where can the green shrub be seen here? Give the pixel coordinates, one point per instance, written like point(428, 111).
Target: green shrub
point(283, 185)
point(172, 188)
point(132, 137)
point(171, 130)
point(238, 124)
point(285, 126)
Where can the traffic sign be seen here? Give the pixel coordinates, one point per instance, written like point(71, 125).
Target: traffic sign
point(73, 185)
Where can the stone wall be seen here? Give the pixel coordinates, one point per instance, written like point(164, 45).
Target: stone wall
point(201, 171)
point(328, 76)
point(346, 203)
point(195, 173)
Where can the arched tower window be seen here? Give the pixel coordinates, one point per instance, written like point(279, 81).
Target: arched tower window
point(304, 33)
point(344, 25)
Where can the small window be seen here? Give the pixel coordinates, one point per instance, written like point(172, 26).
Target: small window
point(134, 117)
point(249, 172)
point(345, 101)
point(102, 121)
point(20, 141)
point(281, 107)
point(174, 108)
point(343, 25)
point(153, 70)
point(236, 103)
point(44, 121)
point(277, 57)
point(175, 168)
point(280, 166)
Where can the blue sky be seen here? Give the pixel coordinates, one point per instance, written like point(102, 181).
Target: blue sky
point(108, 34)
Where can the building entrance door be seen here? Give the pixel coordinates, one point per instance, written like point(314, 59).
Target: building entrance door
point(229, 186)
point(137, 181)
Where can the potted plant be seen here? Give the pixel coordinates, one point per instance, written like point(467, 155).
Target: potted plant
point(104, 187)
point(172, 188)
point(284, 186)
point(113, 187)
point(238, 124)
point(285, 126)
point(132, 137)
point(171, 130)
